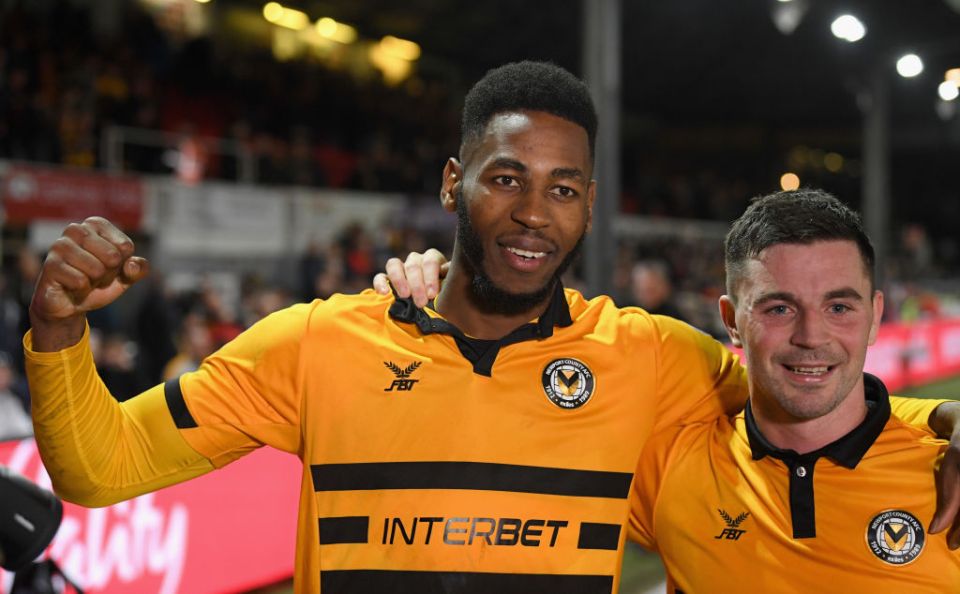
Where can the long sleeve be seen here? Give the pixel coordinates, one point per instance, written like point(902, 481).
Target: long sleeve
point(96, 450)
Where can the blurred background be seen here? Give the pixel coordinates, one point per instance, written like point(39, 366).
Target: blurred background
point(267, 153)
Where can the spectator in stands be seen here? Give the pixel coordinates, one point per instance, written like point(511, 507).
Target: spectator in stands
point(116, 361)
point(195, 344)
point(14, 420)
point(652, 289)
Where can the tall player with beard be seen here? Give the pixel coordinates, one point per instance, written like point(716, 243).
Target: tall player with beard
point(483, 444)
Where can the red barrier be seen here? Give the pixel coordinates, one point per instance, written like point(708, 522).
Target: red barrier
point(229, 531)
point(915, 354)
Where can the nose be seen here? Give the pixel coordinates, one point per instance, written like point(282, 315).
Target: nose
point(531, 210)
point(810, 331)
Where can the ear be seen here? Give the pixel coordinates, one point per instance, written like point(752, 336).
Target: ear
point(728, 313)
point(877, 316)
point(452, 178)
point(591, 197)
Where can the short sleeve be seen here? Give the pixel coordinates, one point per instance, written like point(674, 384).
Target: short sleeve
point(915, 411)
point(699, 379)
point(648, 479)
point(248, 393)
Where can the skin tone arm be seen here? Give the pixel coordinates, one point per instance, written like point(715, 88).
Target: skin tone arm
point(419, 277)
point(946, 421)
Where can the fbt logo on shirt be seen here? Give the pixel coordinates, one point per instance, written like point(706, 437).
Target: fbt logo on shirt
point(733, 530)
point(467, 531)
point(402, 383)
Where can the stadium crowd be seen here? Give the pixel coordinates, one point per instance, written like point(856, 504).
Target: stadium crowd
point(61, 86)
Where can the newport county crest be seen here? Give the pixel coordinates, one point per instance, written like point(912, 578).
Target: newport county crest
point(568, 383)
point(733, 530)
point(895, 537)
point(402, 383)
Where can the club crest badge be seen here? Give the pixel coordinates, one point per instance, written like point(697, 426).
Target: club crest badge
point(895, 537)
point(568, 383)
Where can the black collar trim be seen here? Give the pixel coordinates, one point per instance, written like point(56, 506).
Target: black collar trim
point(846, 451)
point(483, 353)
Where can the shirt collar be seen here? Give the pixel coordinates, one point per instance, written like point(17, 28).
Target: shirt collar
point(482, 354)
point(556, 314)
point(846, 451)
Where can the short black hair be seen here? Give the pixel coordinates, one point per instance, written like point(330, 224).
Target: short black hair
point(532, 86)
point(799, 217)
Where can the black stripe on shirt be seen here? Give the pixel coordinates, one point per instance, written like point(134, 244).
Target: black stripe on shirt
point(599, 536)
point(483, 476)
point(344, 529)
point(442, 582)
point(178, 408)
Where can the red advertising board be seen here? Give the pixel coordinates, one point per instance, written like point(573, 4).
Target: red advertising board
point(36, 193)
point(228, 531)
point(915, 354)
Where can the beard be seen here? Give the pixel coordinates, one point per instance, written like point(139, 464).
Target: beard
point(484, 293)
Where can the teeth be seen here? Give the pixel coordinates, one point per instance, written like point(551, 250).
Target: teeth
point(809, 370)
point(525, 253)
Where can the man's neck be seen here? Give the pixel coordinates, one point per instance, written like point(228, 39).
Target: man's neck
point(457, 305)
point(807, 435)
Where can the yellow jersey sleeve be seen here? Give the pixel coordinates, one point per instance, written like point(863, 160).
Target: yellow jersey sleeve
point(645, 489)
point(99, 451)
point(915, 411)
point(248, 393)
point(698, 378)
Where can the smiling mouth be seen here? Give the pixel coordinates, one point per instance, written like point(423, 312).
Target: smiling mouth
point(811, 371)
point(526, 254)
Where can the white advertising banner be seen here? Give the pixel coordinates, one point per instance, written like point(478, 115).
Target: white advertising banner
point(222, 220)
point(320, 215)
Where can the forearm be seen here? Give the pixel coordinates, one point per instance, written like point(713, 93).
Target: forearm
point(96, 450)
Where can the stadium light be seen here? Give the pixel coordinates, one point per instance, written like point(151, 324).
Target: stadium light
point(789, 181)
point(953, 75)
point(948, 90)
point(334, 31)
point(849, 28)
point(833, 162)
point(400, 48)
point(394, 57)
point(280, 15)
point(909, 65)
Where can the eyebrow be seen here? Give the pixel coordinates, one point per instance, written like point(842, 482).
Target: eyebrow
point(843, 293)
point(558, 173)
point(776, 296)
point(504, 163)
point(568, 173)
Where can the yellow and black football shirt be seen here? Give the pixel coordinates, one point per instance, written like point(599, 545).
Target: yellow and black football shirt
point(729, 512)
point(432, 462)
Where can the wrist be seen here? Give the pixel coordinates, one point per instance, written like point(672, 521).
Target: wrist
point(55, 335)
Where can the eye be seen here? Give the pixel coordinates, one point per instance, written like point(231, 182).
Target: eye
point(840, 308)
point(506, 180)
point(565, 192)
point(778, 310)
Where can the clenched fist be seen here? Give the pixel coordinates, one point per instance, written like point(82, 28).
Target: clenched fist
point(88, 267)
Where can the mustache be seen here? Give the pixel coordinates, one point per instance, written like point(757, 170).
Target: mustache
point(529, 234)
